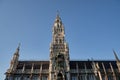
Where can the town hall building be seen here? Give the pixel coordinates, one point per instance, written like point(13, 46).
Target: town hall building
point(59, 66)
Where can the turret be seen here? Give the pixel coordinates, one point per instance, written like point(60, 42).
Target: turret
point(14, 60)
point(117, 60)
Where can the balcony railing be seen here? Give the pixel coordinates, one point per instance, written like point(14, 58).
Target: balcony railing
point(82, 71)
point(29, 71)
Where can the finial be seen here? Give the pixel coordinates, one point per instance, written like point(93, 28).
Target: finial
point(115, 55)
point(18, 46)
point(58, 16)
point(57, 12)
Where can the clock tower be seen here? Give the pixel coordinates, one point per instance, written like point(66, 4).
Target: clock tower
point(59, 68)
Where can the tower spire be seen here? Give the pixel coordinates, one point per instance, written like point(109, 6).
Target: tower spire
point(58, 30)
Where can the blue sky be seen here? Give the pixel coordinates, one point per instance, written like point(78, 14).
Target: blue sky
point(92, 28)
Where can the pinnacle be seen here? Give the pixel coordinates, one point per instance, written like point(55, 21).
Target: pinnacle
point(115, 55)
point(17, 50)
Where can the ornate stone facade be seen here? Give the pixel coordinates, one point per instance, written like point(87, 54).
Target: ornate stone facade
point(60, 67)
